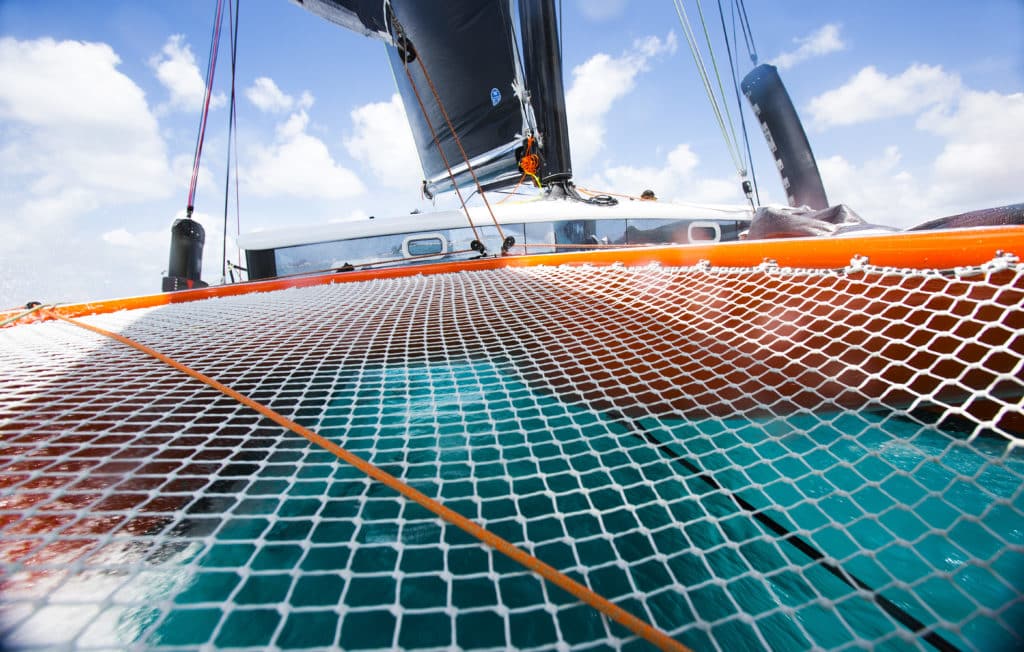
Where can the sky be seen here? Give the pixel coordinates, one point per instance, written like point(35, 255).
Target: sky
point(914, 110)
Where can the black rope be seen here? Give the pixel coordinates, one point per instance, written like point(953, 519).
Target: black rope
point(739, 102)
point(597, 200)
point(780, 530)
point(233, 31)
point(748, 35)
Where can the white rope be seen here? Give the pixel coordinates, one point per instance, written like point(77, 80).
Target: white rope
point(730, 139)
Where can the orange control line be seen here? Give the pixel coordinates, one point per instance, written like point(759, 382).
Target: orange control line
point(639, 627)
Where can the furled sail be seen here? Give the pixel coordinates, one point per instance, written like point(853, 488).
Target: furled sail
point(465, 50)
point(786, 137)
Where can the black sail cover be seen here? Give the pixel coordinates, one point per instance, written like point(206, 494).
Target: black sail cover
point(468, 50)
point(786, 137)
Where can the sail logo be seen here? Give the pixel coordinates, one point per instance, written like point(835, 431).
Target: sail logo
point(495, 96)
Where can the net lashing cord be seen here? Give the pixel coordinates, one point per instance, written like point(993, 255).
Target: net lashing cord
point(638, 626)
point(403, 37)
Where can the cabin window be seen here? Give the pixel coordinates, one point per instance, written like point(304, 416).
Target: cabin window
point(705, 232)
point(432, 245)
point(657, 231)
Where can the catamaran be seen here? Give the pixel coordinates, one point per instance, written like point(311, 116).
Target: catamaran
point(560, 423)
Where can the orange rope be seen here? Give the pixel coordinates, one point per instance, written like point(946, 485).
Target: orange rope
point(513, 191)
point(594, 193)
point(639, 627)
point(529, 164)
point(444, 157)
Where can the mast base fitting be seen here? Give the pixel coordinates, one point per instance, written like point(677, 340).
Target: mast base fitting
point(175, 283)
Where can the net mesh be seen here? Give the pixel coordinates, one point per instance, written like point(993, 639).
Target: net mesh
point(745, 458)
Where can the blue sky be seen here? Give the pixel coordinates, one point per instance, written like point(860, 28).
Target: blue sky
point(914, 110)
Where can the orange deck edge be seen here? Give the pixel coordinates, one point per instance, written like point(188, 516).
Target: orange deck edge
point(920, 250)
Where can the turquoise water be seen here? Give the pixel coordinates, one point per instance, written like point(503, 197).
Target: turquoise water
point(931, 523)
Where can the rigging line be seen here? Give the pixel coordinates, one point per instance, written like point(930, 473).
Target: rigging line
point(444, 157)
point(233, 33)
point(519, 84)
point(21, 315)
point(234, 144)
point(458, 141)
point(718, 78)
point(888, 606)
point(211, 67)
point(430, 125)
point(362, 266)
point(235, 138)
point(736, 87)
point(702, 71)
point(455, 135)
point(748, 35)
point(638, 626)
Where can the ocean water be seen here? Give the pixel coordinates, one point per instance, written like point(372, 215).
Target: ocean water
point(831, 530)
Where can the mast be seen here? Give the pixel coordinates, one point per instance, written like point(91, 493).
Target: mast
point(542, 59)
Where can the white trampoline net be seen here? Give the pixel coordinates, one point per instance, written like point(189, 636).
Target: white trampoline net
point(745, 458)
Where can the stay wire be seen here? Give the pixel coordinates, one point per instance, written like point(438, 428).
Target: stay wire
point(211, 67)
point(718, 76)
point(739, 102)
point(233, 32)
point(234, 145)
point(748, 34)
point(708, 89)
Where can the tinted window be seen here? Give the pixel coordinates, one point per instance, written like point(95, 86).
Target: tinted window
point(425, 246)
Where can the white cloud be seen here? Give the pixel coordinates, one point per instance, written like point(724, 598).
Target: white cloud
point(383, 140)
point(297, 164)
point(80, 134)
point(140, 255)
point(673, 180)
point(981, 135)
point(120, 238)
point(267, 97)
point(984, 139)
point(979, 166)
point(597, 84)
point(879, 189)
point(871, 95)
point(823, 41)
point(176, 69)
